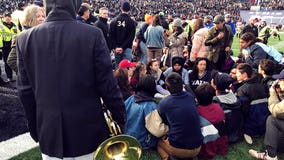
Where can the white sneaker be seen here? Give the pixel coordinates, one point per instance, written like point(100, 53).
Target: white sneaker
point(261, 155)
point(248, 139)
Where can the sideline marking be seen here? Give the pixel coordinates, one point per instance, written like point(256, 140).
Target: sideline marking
point(16, 145)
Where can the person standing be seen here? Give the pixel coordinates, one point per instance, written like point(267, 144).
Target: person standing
point(228, 21)
point(122, 33)
point(8, 30)
point(62, 101)
point(102, 23)
point(250, 27)
point(33, 15)
point(219, 39)
point(83, 14)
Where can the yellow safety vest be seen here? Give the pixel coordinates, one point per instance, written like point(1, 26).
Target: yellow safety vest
point(7, 33)
point(1, 37)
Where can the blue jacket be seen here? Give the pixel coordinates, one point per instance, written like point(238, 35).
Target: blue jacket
point(232, 25)
point(271, 51)
point(138, 108)
point(179, 112)
point(154, 37)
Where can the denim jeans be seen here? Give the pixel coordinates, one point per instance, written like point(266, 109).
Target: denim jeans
point(127, 54)
point(143, 49)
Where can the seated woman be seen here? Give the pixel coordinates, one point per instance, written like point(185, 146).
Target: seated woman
point(215, 115)
point(177, 66)
point(138, 107)
point(253, 100)
point(121, 75)
point(139, 71)
point(200, 73)
point(253, 52)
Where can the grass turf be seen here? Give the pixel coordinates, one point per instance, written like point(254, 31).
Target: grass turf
point(237, 151)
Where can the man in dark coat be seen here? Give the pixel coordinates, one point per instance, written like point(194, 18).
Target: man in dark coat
point(61, 79)
point(122, 33)
point(102, 23)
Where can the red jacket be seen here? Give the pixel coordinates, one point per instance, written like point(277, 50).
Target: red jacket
point(214, 114)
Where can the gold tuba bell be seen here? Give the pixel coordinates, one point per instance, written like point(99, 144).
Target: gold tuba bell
point(119, 146)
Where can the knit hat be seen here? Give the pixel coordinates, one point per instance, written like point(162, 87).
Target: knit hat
point(126, 64)
point(222, 81)
point(218, 19)
point(178, 60)
point(279, 76)
point(147, 17)
point(38, 3)
point(177, 23)
point(125, 6)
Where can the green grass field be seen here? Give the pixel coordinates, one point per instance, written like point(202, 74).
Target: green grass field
point(237, 151)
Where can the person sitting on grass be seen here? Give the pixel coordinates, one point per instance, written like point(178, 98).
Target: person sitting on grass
point(179, 112)
point(138, 107)
point(215, 115)
point(230, 105)
point(275, 122)
point(253, 100)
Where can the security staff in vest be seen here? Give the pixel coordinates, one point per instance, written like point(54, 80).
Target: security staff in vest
point(9, 29)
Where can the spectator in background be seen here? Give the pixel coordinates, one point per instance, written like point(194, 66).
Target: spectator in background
point(83, 14)
point(208, 22)
point(102, 24)
point(92, 19)
point(178, 39)
point(198, 38)
point(154, 39)
point(219, 39)
point(7, 31)
point(264, 32)
point(250, 27)
point(140, 37)
point(122, 33)
point(228, 21)
point(33, 16)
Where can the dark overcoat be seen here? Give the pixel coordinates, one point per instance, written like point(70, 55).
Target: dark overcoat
point(64, 69)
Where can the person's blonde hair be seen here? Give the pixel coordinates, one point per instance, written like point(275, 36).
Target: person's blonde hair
point(102, 9)
point(30, 12)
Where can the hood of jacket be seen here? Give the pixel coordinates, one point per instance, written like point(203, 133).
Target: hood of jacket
point(228, 98)
point(58, 7)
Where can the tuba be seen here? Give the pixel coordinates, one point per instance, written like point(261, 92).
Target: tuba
point(119, 146)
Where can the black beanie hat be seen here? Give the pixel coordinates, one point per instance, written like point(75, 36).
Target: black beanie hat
point(125, 6)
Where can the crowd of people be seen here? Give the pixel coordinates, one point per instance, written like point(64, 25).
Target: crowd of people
point(167, 81)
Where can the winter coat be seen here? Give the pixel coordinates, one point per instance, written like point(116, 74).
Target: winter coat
point(177, 43)
point(198, 47)
point(254, 106)
point(276, 105)
point(103, 25)
point(61, 79)
point(217, 46)
point(138, 107)
point(122, 31)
